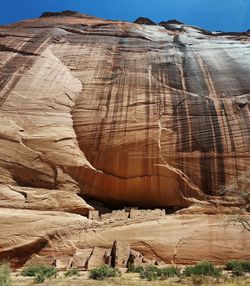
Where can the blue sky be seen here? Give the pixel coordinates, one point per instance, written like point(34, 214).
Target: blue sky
point(226, 15)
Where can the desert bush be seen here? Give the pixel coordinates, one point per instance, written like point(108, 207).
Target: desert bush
point(170, 271)
point(39, 278)
point(33, 270)
point(102, 272)
point(239, 187)
point(134, 269)
point(198, 280)
point(5, 272)
point(205, 268)
point(238, 267)
point(72, 272)
point(40, 272)
point(150, 273)
point(30, 271)
point(153, 272)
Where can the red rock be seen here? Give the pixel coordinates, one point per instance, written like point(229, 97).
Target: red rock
point(125, 114)
point(116, 119)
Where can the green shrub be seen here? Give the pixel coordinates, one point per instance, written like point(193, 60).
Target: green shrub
point(153, 272)
point(238, 267)
point(170, 271)
point(134, 269)
point(150, 273)
point(246, 266)
point(5, 272)
point(40, 272)
point(47, 270)
point(205, 268)
point(39, 278)
point(102, 272)
point(71, 273)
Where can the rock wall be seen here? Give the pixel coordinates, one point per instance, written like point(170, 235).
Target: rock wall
point(127, 114)
point(69, 239)
point(142, 114)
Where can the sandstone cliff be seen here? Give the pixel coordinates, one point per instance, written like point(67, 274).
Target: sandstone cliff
point(139, 114)
point(123, 113)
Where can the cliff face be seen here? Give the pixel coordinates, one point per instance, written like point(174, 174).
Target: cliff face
point(122, 112)
point(146, 115)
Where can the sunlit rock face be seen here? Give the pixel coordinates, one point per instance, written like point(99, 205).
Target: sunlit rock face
point(147, 115)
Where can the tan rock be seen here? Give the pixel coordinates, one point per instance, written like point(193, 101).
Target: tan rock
point(97, 258)
point(148, 262)
point(120, 254)
point(94, 215)
point(81, 258)
point(136, 258)
point(42, 199)
point(185, 239)
point(125, 114)
point(180, 239)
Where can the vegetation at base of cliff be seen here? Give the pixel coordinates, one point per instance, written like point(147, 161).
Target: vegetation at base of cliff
point(150, 273)
point(237, 267)
point(72, 272)
point(134, 269)
point(102, 272)
point(205, 268)
point(153, 272)
point(203, 273)
point(40, 272)
point(5, 272)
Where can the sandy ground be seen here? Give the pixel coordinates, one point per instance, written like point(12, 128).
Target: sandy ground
point(130, 279)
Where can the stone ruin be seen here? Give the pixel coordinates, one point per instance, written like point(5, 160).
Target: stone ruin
point(128, 213)
point(120, 255)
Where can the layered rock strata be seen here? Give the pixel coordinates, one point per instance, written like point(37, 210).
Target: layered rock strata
point(66, 240)
point(123, 113)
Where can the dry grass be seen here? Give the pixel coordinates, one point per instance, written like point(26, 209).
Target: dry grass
point(130, 279)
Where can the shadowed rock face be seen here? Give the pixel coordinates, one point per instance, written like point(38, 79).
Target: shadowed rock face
point(144, 21)
point(142, 115)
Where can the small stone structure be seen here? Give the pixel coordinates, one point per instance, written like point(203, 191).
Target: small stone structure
point(136, 258)
point(124, 214)
point(146, 214)
point(94, 215)
point(119, 255)
point(118, 214)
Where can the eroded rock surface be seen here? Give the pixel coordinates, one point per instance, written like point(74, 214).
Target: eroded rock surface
point(65, 239)
point(121, 112)
point(126, 114)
